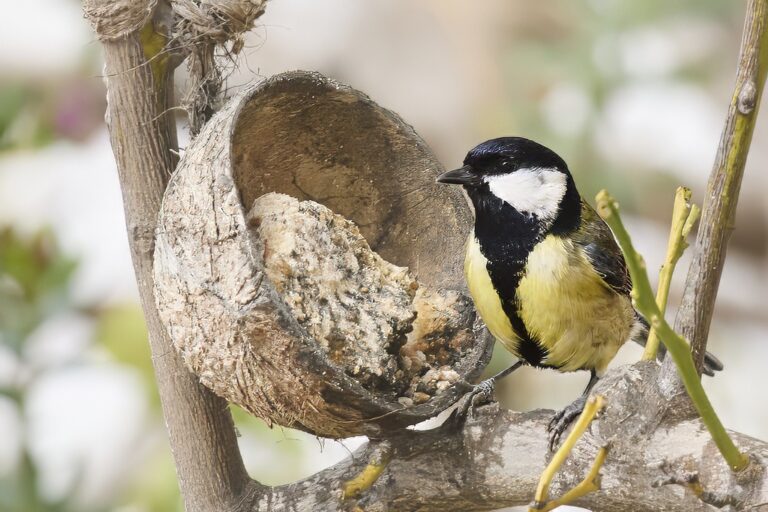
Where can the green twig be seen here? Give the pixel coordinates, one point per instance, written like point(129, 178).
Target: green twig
point(677, 346)
point(591, 482)
point(365, 479)
point(684, 217)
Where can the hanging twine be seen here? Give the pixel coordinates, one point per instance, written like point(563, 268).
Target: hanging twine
point(201, 27)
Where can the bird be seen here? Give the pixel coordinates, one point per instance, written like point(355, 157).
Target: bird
point(543, 269)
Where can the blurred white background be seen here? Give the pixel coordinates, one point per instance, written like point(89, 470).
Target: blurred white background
point(632, 95)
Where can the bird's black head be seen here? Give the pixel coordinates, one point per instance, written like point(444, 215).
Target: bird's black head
point(517, 173)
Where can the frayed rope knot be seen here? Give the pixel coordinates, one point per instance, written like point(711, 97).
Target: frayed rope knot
point(215, 21)
point(113, 19)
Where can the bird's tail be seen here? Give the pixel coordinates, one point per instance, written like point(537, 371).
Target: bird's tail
point(711, 363)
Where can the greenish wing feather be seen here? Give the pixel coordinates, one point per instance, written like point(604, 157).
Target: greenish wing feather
point(597, 241)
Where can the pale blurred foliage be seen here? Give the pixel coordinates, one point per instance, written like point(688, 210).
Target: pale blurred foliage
point(631, 94)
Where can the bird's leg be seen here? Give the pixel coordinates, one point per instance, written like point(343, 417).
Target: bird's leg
point(482, 392)
point(565, 417)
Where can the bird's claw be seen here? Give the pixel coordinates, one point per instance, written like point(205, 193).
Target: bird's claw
point(479, 394)
point(562, 420)
point(484, 391)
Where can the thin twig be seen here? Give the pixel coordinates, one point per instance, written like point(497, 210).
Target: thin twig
point(365, 479)
point(591, 483)
point(684, 217)
point(593, 406)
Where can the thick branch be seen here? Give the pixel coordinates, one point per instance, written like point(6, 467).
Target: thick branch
point(695, 313)
point(656, 462)
point(202, 436)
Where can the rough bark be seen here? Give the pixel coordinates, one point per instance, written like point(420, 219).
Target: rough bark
point(657, 461)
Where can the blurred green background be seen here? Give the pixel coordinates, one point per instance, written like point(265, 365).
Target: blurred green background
point(631, 94)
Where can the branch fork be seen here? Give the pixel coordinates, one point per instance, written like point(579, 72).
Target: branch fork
point(677, 346)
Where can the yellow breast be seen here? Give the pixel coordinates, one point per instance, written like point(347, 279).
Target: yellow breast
point(486, 299)
point(565, 305)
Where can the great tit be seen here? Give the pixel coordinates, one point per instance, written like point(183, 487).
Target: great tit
point(542, 267)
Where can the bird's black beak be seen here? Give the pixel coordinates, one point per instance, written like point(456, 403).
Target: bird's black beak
point(461, 176)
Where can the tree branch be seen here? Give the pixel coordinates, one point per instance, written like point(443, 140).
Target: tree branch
point(138, 78)
point(695, 313)
point(657, 462)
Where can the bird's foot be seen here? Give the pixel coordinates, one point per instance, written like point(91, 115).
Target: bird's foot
point(562, 420)
point(479, 394)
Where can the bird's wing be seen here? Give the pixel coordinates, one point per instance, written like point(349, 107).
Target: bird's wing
point(596, 240)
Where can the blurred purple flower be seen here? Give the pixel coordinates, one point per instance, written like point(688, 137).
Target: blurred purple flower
point(78, 109)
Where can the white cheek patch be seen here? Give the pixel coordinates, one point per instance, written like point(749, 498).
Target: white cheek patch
point(533, 191)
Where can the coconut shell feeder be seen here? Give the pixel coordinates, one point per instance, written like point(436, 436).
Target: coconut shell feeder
point(309, 269)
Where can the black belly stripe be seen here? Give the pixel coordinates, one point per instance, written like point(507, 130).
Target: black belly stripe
point(506, 238)
point(529, 349)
